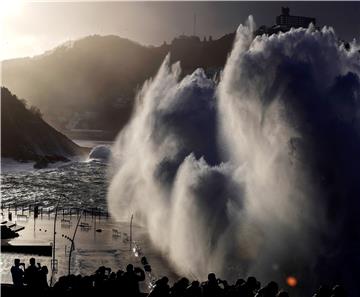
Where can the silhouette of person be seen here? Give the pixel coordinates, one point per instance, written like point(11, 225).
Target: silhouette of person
point(323, 291)
point(43, 272)
point(270, 290)
point(211, 288)
point(179, 288)
point(161, 288)
point(17, 274)
point(31, 274)
point(283, 294)
point(338, 291)
point(100, 276)
point(119, 279)
point(131, 279)
point(194, 290)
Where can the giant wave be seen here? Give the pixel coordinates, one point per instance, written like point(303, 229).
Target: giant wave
point(256, 173)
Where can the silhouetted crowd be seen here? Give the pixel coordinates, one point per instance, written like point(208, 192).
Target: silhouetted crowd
point(34, 276)
point(33, 281)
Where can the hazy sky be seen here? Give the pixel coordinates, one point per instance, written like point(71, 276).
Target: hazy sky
point(29, 29)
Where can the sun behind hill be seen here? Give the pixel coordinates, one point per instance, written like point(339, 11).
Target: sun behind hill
point(10, 8)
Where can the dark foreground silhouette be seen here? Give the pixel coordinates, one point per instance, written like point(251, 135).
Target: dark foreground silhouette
point(32, 281)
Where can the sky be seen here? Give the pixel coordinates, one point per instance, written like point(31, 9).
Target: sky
point(31, 28)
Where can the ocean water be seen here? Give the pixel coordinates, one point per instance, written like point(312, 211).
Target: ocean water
point(75, 184)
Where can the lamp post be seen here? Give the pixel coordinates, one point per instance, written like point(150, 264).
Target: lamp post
point(131, 220)
point(53, 260)
point(72, 247)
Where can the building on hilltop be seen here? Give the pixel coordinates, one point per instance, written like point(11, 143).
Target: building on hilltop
point(285, 21)
point(291, 21)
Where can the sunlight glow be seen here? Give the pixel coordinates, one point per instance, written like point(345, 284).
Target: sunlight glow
point(9, 8)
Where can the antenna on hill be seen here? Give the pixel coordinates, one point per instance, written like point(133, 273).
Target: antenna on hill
point(194, 31)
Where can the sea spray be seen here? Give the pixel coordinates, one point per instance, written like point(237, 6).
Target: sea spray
point(172, 121)
point(257, 174)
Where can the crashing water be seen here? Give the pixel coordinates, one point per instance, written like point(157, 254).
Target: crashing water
point(254, 174)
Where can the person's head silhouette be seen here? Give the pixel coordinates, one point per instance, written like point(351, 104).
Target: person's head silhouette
point(211, 277)
point(251, 282)
point(17, 262)
point(273, 288)
point(164, 280)
point(130, 268)
point(195, 284)
point(32, 261)
point(44, 269)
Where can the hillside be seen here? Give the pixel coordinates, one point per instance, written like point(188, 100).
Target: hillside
point(26, 136)
point(91, 83)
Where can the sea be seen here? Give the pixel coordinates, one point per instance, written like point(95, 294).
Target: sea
point(78, 184)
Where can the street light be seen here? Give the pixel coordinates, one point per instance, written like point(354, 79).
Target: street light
point(72, 247)
point(53, 260)
point(131, 221)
